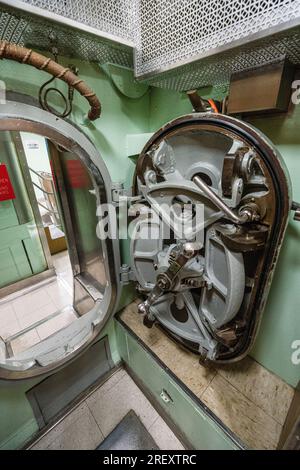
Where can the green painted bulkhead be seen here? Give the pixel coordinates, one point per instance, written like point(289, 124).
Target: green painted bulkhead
point(21, 251)
point(119, 135)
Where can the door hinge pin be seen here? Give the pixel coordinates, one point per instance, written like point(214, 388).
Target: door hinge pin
point(126, 274)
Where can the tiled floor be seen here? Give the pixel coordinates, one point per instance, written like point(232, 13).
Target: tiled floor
point(88, 424)
point(29, 318)
point(248, 398)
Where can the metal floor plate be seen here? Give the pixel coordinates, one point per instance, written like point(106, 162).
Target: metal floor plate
point(129, 434)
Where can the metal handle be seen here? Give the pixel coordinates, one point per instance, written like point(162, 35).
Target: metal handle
point(247, 213)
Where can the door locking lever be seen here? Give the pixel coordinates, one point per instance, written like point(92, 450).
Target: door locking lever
point(247, 213)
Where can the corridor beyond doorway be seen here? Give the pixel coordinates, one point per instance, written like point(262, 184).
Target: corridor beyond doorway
point(29, 316)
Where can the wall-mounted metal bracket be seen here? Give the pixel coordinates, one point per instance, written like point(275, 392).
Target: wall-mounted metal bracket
point(126, 275)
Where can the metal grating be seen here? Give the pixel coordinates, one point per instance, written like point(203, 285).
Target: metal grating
point(173, 32)
point(29, 30)
point(179, 44)
point(111, 16)
point(217, 69)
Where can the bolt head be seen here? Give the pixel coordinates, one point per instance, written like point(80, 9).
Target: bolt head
point(188, 250)
point(141, 308)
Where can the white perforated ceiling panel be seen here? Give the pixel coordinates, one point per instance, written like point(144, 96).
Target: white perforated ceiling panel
point(176, 31)
point(179, 44)
point(111, 16)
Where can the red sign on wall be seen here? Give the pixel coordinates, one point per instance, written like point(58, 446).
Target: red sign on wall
point(77, 174)
point(6, 188)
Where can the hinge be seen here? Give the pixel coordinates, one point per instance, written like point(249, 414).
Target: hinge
point(296, 208)
point(126, 274)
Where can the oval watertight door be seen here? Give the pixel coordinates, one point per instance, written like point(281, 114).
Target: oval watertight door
point(83, 186)
point(220, 193)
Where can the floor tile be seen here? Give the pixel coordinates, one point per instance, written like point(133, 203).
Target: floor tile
point(84, 434)
point(250, 400)
point(35, 300)
point(78, 431)
point(164, 436)
point(9, 324)
point(109, 404)
point(25, 341)
point(36, 315)
point(249, 422)
point(110, 407)
point(184, 364)
point(7, 314)
point(261, 387)
point(63, 267)
point(9, 329)
point(135, 321)
point(59, 295)
point(61, 427)
point(113, 380)
point(55, 324)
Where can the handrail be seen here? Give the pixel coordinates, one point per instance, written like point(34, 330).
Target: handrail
point(48, 210)
point(43, 190)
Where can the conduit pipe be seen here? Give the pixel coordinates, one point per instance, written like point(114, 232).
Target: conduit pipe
point(28, 56)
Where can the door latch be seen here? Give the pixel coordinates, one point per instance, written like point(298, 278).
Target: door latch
point(165, 396)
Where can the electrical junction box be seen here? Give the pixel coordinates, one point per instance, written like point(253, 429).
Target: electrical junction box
point(266, 89)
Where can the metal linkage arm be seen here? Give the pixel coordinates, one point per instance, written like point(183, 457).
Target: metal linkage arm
point(246, 214)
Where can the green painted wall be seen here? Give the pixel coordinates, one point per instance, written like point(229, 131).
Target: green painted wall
point(121, 116)
point(281, 321)
point(17, 422)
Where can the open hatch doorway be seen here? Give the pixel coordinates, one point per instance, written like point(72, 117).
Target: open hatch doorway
point(39, 300)
point(63, 315)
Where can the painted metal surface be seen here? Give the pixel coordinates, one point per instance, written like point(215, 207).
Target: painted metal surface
point(53, 352)
point(122, 116)
point(129, 116)
point(198, 428)
point(182, 32)
point(27, 24)
point(188, 145)
point(179, 45)
point(280, 326)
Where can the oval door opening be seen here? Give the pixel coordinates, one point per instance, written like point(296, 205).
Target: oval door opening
point(71, 192)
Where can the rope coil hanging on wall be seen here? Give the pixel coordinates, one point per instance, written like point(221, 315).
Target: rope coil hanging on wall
point(40, 62)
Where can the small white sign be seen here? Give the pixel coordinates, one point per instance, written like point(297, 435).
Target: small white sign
point(33, 145)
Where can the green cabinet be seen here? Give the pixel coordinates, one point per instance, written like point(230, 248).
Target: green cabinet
point(194, 422)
